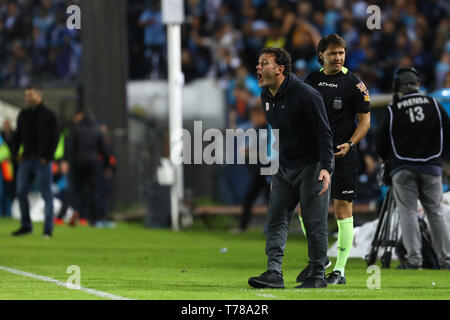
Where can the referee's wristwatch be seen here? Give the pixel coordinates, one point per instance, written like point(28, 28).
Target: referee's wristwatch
point(351, 145)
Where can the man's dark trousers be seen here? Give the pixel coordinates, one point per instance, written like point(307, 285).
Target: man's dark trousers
point(85, 190)
point(289, 186)
point(28, 169)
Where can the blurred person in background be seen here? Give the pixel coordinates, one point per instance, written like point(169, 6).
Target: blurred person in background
point(61, 176)
point(86, 142)
point(258, 183)
point(239, 114)
point(245, 79)
point(300, 69)
point(105, 178)
point(62, 192)
point(154, 39)
point(14, 22)
point(17, 70)
point(7, 134)
point(6, 179)
point(346, 100)
point(303, 38)
point(188, 66)
point(254, 30)
point(447, 80)
point(413, 137)
point(235, 177)
point(37, 135)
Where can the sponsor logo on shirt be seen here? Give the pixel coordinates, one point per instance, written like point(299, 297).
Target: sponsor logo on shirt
point(348, 192)
point(329, 85)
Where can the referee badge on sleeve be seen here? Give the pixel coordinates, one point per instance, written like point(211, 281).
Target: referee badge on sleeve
point(362, 87)
point(337, 103)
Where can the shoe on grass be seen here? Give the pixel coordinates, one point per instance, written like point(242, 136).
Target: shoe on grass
point(47, 235)
point(21, 232)
point(407, 265)
point(335, 277)
point(307, 272)
point(269, 279)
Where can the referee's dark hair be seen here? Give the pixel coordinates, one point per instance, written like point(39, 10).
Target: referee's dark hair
point(282, 58)
point(325, 42)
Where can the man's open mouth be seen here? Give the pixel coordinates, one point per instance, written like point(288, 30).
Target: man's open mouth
point(259, 76)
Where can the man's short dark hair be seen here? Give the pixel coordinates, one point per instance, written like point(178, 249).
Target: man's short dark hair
point(34, 87)
point(325, 42)
point(282, 58)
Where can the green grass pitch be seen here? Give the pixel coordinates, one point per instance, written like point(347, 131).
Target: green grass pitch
point(133, 262)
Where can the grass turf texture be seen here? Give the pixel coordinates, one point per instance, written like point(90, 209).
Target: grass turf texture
point(138, 263)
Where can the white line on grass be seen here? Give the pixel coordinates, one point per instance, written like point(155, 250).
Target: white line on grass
point(63, 284)
point(265, 295)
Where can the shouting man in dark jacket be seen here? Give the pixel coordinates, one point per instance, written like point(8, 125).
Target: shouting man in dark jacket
point(37, 137)
point(306, 163)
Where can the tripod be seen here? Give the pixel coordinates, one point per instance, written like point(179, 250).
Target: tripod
point(386, 235)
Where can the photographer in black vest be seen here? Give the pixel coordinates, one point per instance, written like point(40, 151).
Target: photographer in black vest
point(413, 136)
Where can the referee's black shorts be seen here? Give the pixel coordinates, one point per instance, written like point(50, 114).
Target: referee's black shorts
point(344, 180)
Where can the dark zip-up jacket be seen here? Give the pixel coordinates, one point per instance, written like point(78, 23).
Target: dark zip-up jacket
point(298, 111)
point(37, 130)
point(86, 143)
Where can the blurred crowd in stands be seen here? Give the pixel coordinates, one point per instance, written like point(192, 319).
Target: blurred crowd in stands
point(35, 44)
point(220, 37)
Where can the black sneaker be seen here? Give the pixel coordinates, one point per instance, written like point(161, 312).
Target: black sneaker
point(47, 235)
point(21, 232)
point(312, 283)
point(335, 278)
point(307, 272)
point(408, 265)
point(269, 279)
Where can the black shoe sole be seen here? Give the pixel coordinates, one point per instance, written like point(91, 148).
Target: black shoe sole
point(300, 287)
point(264, 285)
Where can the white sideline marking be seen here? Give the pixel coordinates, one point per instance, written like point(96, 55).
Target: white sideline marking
point(63, 284)
point(265, 295)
